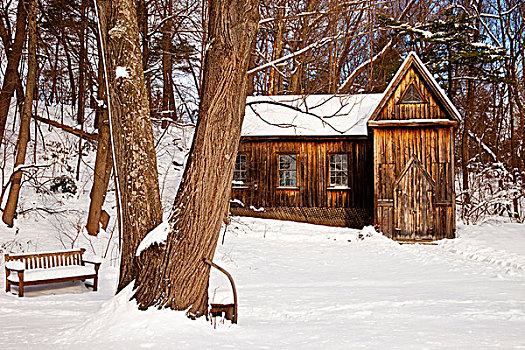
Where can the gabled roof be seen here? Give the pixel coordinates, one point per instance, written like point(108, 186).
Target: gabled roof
point(414, 61)
point(313, 115)
point(336, 115)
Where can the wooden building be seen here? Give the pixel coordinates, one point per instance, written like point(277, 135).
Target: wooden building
point(353, 160)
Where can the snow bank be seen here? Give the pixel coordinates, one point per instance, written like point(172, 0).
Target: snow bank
point(495, 244)
point(120, 320)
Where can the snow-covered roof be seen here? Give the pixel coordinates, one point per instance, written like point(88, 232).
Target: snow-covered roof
point(313, 115)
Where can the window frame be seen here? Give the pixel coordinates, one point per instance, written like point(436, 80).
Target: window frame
point(279, 170)
point(411, 84)
point(331, 185)
point(244, 171)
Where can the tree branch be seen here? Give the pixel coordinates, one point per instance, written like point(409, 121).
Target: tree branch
point(69, 129)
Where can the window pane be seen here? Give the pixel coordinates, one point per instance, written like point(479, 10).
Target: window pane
point(239, 174)
point(288, 170)
point(338, 169)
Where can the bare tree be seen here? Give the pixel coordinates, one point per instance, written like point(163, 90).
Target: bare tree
point(25, 118)
point(14, 53)
point(136, 163)
point(175, 275)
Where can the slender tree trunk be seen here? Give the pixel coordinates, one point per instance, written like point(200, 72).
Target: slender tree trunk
point(82, 65)
point(54, 95)
point(14, 54)
point(174, 275)
point(296, 80)
point(103, 162)
point(465, 154)
point(70, 73)
point(167, 71)
point(132, 131)
point(142, 13)
point(25, 118)
point(275, 79)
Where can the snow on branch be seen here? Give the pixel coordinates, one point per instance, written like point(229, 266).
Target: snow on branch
point(315, 45)
point(348, 81)
point(350, 7)
point(489, 152)
point(363, 66)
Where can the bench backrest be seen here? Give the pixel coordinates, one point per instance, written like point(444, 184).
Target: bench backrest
point(46, 260)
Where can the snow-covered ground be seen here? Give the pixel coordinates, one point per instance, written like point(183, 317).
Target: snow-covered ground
point(299, 285)
point(306, 287)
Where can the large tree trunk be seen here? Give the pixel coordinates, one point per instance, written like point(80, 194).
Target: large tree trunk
point(25, 118)
point(11, 78)
point(132, 131)
point(175, 275)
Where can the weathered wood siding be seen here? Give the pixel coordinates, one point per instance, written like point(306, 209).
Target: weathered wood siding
point(312, 201)
point(428, 110)
point(433, 149)
point(414, 165)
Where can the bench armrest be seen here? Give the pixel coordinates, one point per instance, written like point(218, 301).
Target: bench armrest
point(15, 265)
point(92, 259)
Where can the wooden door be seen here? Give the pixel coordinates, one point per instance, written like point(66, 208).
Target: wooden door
point(414, 204)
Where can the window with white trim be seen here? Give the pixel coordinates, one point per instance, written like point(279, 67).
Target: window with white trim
point(288, 170)
point(240, 172)
point(338, 170)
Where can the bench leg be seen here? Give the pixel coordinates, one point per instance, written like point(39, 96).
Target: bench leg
point(7, 283)
point(95, 283)
point(20, 284)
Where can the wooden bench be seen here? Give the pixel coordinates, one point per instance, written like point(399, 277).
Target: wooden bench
point(29, 269)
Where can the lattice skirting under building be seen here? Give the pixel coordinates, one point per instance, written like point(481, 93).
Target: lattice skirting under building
point(340, 217)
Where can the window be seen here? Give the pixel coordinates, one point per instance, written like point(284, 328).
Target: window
point(239, 174)
point(338, 170)
point(412, 95)
point(288, 170)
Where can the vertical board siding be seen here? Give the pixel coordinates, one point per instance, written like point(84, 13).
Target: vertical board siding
point(428, 110)
point(312, 198)
point(393, 150)
point(416, 208)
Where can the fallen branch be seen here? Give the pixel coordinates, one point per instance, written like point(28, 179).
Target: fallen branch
point(69, 129)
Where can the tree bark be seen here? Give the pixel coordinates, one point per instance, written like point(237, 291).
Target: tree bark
point(142, 13)
point(465, 151)
point(82, 63)
point(25, 118)
point(168, 97)
point(296, 80)
point(275, 79)
point(174, 275)
point(103, 162)
point(131, 130)
point(11, 78)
